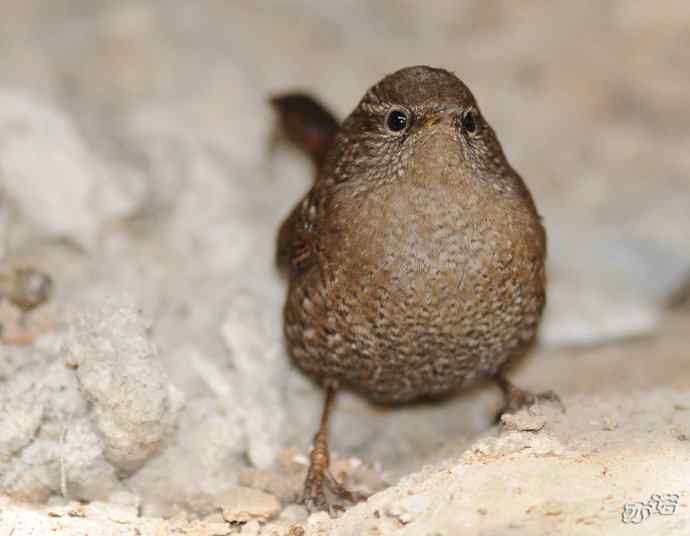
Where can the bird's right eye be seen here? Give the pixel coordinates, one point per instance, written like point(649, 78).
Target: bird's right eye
point(397, 120)
point(469, 123)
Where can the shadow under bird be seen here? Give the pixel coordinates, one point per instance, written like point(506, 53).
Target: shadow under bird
point(416, 260)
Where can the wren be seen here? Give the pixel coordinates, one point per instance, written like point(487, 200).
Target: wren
point(416, 260)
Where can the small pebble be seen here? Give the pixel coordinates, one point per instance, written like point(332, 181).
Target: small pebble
point(252, 528)
point(318, 518)
point(523, 422)
point(610, 424)
point(293, 513)
point(240, 505)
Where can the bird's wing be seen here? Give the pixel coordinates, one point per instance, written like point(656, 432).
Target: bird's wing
point(297, 238)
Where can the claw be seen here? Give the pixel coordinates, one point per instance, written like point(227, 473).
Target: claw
point(516, 398)
point(341, 491)
point(315, 499)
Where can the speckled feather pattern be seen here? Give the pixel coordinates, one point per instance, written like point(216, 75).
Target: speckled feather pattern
point(416, 261)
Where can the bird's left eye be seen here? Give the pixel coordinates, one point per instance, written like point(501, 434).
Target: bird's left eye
point(397, 120)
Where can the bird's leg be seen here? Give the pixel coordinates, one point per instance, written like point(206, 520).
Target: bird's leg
point(319, 474)
point(516, 398)
point(319, 460)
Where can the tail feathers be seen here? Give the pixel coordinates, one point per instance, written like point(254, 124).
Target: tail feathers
point(306, 123)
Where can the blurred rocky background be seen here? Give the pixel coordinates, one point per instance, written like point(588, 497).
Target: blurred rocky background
point(142, 177)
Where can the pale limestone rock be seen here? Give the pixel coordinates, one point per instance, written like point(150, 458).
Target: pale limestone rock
point(240, 505)
point(133, 404)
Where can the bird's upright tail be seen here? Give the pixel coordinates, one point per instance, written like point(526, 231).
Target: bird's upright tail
point(306, 123)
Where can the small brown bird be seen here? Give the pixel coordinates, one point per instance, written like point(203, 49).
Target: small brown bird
point(416, 260)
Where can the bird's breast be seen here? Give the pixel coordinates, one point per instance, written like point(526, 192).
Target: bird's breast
point(434, 246)
point(413, 233)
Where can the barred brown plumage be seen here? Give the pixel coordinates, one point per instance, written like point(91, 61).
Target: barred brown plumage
point(416, 260)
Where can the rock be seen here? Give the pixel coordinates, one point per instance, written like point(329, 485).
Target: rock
point(208, 448)
point(320, 521)
point(528, 480)
point(19, 421)
point(523, 421)
point(5, 223)
point(286, 487)
point(77, 420)
point(214, 518)
point(218, 529)
point(259, 379)
point(125, 498)
point(64, 453)
point(294, 513)
point(252, 528)
point(84, 470)
point(133, 404)
point(240, 505)
point(110, 511)
point(49, 174)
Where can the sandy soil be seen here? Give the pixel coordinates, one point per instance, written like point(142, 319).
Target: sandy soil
point(140, 169)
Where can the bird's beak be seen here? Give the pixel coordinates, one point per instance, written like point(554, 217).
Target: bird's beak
point(433, 120)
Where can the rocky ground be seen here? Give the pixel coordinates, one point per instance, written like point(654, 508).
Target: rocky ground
point(140, 170)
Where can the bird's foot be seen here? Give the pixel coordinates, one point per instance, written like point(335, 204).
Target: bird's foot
point(515, 399)
point(316, 499)
point(341, 492)
point(525, 399)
